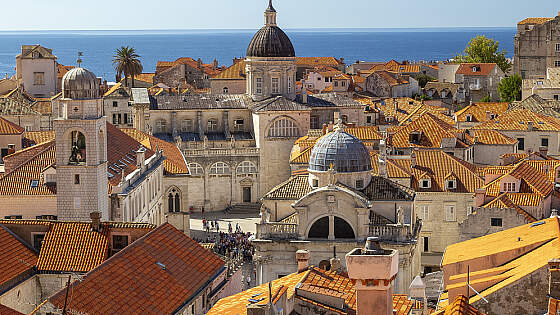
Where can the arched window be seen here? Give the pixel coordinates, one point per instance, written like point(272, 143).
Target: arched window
point(219, 168)
point(212, 125)
point(173, 201)
point(342, 229)
point(283, 127)
point(226, 90)
point(78, 148)
point(187, 125)
point(344, 119)
point(196, 169)
point(320, 229)
point(161, 126)
point(246, 167)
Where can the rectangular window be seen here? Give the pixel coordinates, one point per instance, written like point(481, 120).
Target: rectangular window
point(335, 83)
point(115, 104)
point(13, 217)
point(556, 97)
point(289, 84)
point(315, 183)
point(38, 78)
point(314, 122)
point(239, 125)
point(275, 86)
point(77, 179)
point(368, 119)
point(119, 242)
point(115, 119)
point(125, 120)
point(557, 63)
point(425, 183)
point(425, 213)
point(557, 47)
point(359, 184)
point(521, 144)
point(258, 85)
point(469, 210)
point(426, 244)
point(38, 241)
point(496, 221)
point(450, 213)
point(544, 142)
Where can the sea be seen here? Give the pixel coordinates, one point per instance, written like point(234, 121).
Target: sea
point(98, 47)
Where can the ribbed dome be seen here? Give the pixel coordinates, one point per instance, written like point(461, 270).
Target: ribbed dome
point(346, 152)
point(270, 41)
point(80, 83)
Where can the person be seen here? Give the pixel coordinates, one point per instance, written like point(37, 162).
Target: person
point(237, 230)
point(248, 282)
point(212, 223)
point(217, 227)
point(229, 228)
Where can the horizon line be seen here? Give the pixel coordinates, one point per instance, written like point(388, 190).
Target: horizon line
point(254, 29)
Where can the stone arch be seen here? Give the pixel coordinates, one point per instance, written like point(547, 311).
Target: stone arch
point(75, 146)
point(219, 168)
point(246, 167)
point(173, 199)
point(195, 169)
point(283, 126)
point(319, 228)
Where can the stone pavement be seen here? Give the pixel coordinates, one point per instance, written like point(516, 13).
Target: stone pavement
point(246, 221)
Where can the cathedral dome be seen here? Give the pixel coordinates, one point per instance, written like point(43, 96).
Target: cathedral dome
point(80, 83)
point(347, 153)
point(270, 41)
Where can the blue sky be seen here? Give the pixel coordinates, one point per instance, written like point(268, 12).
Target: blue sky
point(247, 14)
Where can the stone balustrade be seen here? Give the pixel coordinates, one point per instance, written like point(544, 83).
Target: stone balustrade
point(275, 230)
point(221, 152)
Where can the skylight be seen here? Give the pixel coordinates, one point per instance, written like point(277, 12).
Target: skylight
point(34, 183)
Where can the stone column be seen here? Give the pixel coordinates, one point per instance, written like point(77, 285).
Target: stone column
point(174, 123)
point(225, 120)
point(199, 124)
point(331, 227)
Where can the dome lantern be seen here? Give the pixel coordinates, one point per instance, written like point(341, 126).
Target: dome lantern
point(80, 84)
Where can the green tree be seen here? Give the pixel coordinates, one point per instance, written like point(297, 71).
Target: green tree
point(424, 79)
point(510, 88)
point(126, 61)
point(486, 99)
point(484, 50)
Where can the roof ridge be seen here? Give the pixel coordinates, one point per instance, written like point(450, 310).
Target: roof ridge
point(30, 159)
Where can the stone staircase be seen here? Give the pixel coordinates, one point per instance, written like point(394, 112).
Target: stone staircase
point(245, 208)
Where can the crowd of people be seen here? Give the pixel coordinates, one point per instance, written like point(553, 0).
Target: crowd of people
point(232, 243)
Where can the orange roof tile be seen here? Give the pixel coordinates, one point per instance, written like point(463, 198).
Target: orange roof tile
point(73, 247)
point(503, 201)
point(482, 69)
point(479, 111)
point(405, 110)
point(460, 306)
point(553, 306)
point(317, 61)
point(491, 137)
point(16, 258)
point(163, 265)
point(9, 128)
point(535, 20)
point(520, 119)
point(147, 77)
point(174, 162)
point(36, 137)
point(234, 72)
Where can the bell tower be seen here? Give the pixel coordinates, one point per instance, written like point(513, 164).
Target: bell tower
point(81, 148)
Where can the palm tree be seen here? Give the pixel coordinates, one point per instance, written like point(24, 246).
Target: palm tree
point(127, 62)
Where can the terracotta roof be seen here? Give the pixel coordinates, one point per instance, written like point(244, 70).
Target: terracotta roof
point(16, 258)
point(491, 137)
point(144, 77)
point(237, 304)
point(209, 69)
point(317, 61)
point(460, 306)
point(517, 252)
point(61, 70)
point(405, 110)
point(113, 89)
point(553, 306)
point(390, 78)
point(533, 181)
point(432, 131)
point(4, 310)
point(519, 119)
point(121, 153)
point(482, 69)
point(293, 188)
point(234, 72)
point(35, 137)
point(479, 111)
point(18, 181)
point(535, 20)
point(42, 106)
point(437, 165)
point(358, 79)
point(163, 265)
point(174, 162)
point(73, 247)
point(503, 201)
point(9, 128)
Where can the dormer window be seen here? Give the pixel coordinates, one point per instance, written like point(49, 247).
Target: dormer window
point(473, 69)
point(509, 187)
point(415, 137)
point(451, 184)
point(119, 242)
point(468, 118)
point(425, 183)
point(315, 183)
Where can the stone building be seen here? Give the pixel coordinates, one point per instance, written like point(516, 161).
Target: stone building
point(185, 71)
point(117, 105)
point(479, 80)
point(385, 84)
point(536, 47)
point(36, 70)
point(333, 208)
point(33, 114)
point(548, 87)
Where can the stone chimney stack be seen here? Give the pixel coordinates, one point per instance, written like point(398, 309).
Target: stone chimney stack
point(140, 158)
point(529, 126)
point(417, 292)
point(302, 257)
point(479, 197)
point(95, 221)
point(336, 264)
point(336, 116)
point(373, 270)
point(543, 151)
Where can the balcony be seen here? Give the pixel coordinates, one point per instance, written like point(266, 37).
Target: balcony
point(221, 152)
point(395, 232)
point(277, 231)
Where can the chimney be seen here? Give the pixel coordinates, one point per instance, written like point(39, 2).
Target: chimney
point(373, 271)
point(479, 197)
point(336, 116)
point(529, 126)
point(488, 115)
point(543, 151)
point(258, 309)
point(302, 257)
point(554, 278)
point(554, 213)
point(140, 158)
point(95, 221)
point(417, 292)
point(324, 129)
point(413, 159)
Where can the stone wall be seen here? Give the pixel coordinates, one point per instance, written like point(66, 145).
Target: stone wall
point(478, 223)
point(234, 86)
point(535, 48)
